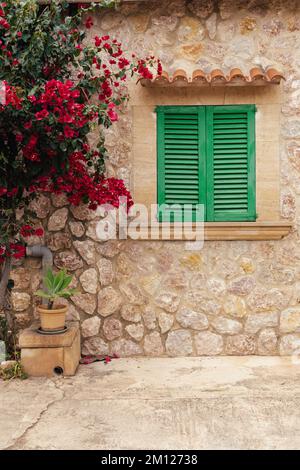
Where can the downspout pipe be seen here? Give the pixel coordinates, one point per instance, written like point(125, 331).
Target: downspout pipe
point(40, 251)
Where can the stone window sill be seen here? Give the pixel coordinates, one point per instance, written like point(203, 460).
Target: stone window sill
point(230, 231)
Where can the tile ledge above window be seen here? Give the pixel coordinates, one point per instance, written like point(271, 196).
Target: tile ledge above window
point(228, 231)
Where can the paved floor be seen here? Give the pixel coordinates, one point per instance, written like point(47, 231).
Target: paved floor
point(182, 403)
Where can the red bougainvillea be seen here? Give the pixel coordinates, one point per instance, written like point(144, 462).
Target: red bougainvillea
point(56, 87)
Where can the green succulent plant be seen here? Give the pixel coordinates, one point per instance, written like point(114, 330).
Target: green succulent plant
point(56, 286)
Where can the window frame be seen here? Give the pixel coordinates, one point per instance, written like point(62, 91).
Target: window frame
point(205, 141)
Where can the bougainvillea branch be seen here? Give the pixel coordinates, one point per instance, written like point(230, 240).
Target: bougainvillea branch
point(57, 87)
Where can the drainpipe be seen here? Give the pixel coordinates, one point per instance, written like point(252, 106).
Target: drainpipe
point(39, 251)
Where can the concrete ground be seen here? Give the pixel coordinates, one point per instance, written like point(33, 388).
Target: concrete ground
point(181, 403)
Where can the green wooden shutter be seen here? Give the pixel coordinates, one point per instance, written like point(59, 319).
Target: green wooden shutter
point(231, 163)
point(181, 159)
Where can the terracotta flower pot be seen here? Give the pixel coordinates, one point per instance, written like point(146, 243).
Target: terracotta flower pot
point(52, 320)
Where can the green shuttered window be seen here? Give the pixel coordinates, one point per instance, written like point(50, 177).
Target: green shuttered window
point(206, 155)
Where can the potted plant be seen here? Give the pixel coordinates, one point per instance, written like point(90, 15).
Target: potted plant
point(55, 286)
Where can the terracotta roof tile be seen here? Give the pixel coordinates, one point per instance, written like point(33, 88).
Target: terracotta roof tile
point(237, 74)
point(198, 75)
point(216, 75)
point(273, 75)
point(257, 74)
point(234, 77)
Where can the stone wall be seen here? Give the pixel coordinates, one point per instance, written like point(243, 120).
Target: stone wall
point(154, 298)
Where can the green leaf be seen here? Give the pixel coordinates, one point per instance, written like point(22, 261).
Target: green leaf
point(68, 293)
point(67, 281)
point(43, 294)
point(50, 276)
point(48, 283)
point(59, 280)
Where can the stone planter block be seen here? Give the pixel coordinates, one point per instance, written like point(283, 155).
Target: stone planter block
point(50, 355)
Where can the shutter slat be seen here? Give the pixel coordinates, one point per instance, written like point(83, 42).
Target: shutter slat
point(227, 151)
point(183, 132)
point(179, 140)
point(182, 187)
point(170, 178)
point(182, 126)
point(178, 158)
point(229, 131)
point(180, 147)
point(223, 140)
point(181, 117)
point(181, 152)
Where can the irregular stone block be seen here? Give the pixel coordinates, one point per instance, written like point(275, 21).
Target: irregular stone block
point(136, 331)
point(165, 22)
point(112, 328)
point(95, 346)
point(200, 301)
point(211, 25)
point(90, 327)
point(106, 273)
point(267, 342)
point(86, 302)
point(262, 299)
point(59, 241)
point(68, 260)
point(235, 306)
point(110, 248)
point(124, 265)
point(82, 212)
point(59, 200)
point(131, 313)
point(109, 301)
point(132, 292)
point(165, 321)
point(190, 29)
point(256, 322)
point(189, 318)
point(21, 278)
point(241, 286)
point(89, 280)
point(41, 206)
point(125, 348)
point(149, 317)
point(168, 301)
point(290, 345)
point(20, 301)
point(288, 203)
point(179, 343)
point(216, 286)
point(203, 9)
point(77, 228)
point(290, 320)
point(226, 326)
point(86, 249)
point(240, 345)
point(176, 8)
point(58, 219)
point(153, 345)
point(208, 343)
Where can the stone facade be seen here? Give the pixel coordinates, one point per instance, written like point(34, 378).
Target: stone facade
point(154, 297)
